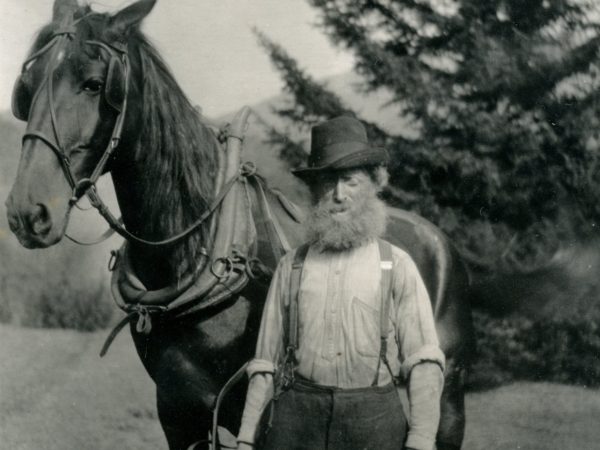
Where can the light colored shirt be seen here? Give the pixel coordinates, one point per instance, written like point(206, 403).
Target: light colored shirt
point(339, 333)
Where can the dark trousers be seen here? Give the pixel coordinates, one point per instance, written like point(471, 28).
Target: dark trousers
point(314, 417)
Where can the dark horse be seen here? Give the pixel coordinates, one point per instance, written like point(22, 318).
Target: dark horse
point(164, 171)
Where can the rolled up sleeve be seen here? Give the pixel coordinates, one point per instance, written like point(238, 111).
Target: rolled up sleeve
point(268, 350)
point(415, 328)
point(422, 360)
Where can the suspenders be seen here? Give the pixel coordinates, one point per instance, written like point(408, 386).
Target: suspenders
point(386, 263)
point(291, 325)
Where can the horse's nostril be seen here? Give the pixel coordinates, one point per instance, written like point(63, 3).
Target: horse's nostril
point(39, 220)
point(14, 223)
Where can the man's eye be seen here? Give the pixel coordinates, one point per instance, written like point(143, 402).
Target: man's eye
point(93, 86)
point(329, 182)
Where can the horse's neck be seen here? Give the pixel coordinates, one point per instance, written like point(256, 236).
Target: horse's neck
point(155, 266)
point(151, 264)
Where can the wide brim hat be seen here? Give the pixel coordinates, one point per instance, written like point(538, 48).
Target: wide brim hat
point(338, 144)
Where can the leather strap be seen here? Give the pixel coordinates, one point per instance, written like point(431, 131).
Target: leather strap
point(290, 327)
point(386, 265)
point(295, 278)
point(116, 224)
point(277, 239)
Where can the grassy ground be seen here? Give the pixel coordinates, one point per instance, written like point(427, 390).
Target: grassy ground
point(533, 416)
point(57, 394)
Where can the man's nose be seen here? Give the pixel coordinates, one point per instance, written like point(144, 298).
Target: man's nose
point(339, 192)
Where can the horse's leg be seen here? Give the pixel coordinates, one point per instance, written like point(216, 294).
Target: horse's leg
point(183, 427)
point(452, 421)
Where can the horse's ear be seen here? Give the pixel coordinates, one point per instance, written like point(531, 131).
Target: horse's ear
point(63, 7)
point(131, 16)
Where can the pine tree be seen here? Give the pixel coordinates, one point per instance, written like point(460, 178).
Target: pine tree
point(503, 96)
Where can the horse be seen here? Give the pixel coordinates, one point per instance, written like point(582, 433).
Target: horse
point(97, 98)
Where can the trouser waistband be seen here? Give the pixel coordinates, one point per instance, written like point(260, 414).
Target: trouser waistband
point(302, 384)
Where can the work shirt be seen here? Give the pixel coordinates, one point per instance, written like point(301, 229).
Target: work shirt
point(339, 330)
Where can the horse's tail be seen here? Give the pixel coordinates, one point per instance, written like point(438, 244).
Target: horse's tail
point(562, 282)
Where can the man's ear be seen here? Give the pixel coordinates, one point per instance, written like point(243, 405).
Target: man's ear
point(131, 16)
point(382, 176)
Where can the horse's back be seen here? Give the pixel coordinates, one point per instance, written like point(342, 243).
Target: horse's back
point(443, 273)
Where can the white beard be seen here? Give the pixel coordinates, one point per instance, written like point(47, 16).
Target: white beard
point(365, 220)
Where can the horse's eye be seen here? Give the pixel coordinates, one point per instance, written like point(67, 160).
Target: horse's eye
point(93, 86)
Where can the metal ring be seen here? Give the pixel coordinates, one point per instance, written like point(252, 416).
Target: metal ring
point(112, 262)
point(227, 264)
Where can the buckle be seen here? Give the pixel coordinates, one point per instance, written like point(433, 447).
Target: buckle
point(247, 169)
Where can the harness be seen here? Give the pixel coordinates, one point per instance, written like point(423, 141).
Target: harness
point(219, 277)
point(231, 228)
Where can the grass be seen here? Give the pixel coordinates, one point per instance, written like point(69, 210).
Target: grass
point(56, 394)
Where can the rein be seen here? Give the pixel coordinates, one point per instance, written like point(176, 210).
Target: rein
point(115, 224)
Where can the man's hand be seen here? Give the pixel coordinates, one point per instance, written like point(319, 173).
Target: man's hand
point(244, 446)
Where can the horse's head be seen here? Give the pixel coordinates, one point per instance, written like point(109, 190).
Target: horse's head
point(73, 93)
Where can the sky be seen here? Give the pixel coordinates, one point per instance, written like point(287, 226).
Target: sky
point(208, 44)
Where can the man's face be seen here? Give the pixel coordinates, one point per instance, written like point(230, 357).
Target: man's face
point(341, 191)
point(346, 211)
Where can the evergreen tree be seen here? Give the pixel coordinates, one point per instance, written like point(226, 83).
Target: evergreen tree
point(503, 96)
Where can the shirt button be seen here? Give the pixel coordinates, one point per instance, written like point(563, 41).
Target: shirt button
point(339, 353)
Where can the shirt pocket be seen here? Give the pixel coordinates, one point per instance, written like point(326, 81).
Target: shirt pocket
point(365, 320)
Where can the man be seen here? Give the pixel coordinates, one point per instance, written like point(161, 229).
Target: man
point(345, 315)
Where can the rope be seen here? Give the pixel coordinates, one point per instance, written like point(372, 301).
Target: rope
point(219, 400)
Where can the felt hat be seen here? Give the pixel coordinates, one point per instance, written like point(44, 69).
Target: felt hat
point(338, 144)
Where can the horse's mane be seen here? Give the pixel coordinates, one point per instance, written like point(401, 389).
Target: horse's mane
point(176, 153)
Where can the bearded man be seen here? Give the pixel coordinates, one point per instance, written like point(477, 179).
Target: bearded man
point(346, 316)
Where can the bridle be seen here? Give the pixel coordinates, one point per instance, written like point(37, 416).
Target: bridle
point(118, 55)
point(118, 61)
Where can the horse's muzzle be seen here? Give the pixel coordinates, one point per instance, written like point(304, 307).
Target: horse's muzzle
point(31, 225)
